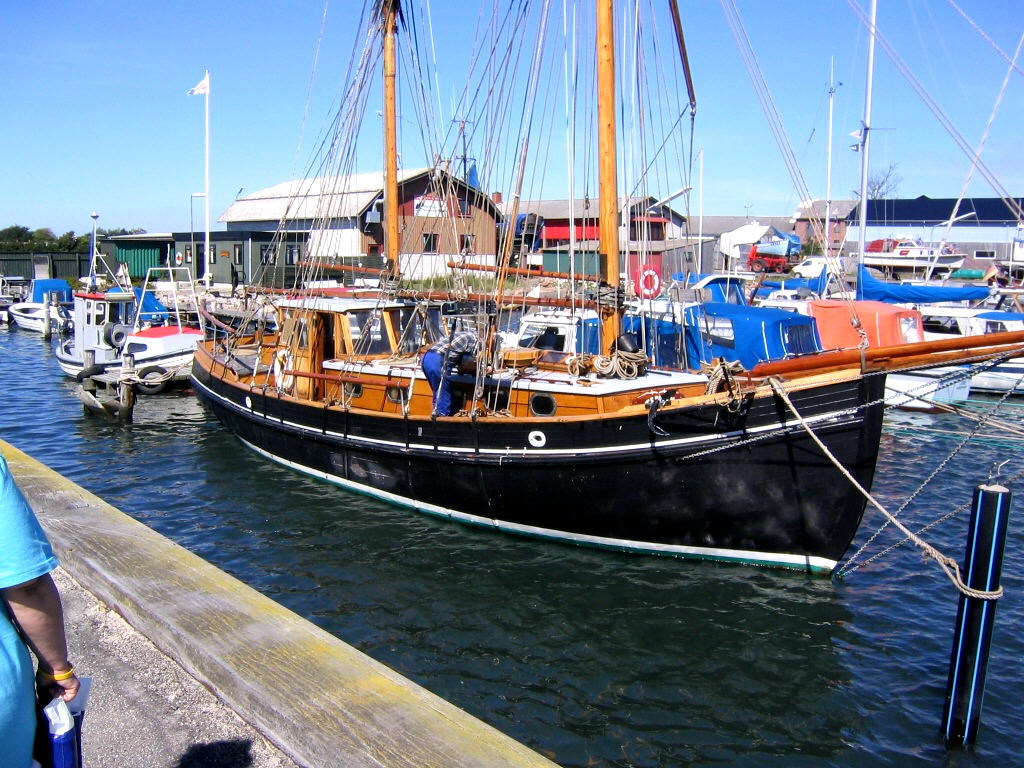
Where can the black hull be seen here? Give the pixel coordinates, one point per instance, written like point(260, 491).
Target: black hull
point(749, 487)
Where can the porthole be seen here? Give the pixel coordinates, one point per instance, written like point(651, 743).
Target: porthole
point(542, 404)
point(353, 391)
point(398, 394)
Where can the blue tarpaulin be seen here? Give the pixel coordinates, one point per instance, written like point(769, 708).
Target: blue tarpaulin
point(870, 287)
point(817, 285)
point(750, 335)
point(40, 288)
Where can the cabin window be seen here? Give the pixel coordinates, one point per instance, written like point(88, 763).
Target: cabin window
point(720, 331)
point(994, 326)
point(295, 331)
point(984, 254)
point(430, 242)
point(543, 337)
point(908, 329)
point(944, 325)
point(412, 332)
point(369, 336)
point(801, 340)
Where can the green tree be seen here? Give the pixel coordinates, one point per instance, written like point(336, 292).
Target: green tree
point(121, 231)
point(69, 242)
point(15, 234)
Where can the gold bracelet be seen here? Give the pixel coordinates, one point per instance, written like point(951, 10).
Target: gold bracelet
point(58, 677)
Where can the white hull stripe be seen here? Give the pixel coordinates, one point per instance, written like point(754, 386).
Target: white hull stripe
point(832, 416)
point(775, 559)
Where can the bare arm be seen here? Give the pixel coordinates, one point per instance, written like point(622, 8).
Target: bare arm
point(36, 607)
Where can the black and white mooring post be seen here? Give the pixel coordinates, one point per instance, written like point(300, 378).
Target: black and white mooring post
point(975, 617)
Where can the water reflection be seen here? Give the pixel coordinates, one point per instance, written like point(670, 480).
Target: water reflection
point(593, 658)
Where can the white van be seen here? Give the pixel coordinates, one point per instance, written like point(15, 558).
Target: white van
point(812, 266)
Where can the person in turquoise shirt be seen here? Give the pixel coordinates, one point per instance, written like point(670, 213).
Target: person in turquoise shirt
point(32, 603)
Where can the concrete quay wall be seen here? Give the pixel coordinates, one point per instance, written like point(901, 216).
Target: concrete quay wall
point(322, 702)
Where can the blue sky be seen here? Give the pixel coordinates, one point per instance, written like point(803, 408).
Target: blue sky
point(96, 115)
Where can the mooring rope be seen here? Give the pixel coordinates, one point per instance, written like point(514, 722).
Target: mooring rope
point(949, 566)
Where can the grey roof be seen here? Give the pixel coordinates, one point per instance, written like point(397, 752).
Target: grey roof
point(324, 197)
point(580, 208)
point(716, 225)
point(816, 208)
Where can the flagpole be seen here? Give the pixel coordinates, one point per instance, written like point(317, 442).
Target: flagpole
point(206, 199)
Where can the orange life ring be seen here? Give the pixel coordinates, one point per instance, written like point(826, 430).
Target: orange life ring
point(649, 284)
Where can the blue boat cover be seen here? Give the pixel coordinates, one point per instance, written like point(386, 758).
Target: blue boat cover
point(784, 245)
point(817, 285)
point(750, 335)
point(996, 314)
point(40, 288)
point(870, 287)
point(722, 288)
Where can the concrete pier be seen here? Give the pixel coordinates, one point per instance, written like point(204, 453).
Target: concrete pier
point(317, 699)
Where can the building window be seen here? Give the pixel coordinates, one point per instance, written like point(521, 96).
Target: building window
point(291, 255)
point(464, 209)
point(266, 256)
point(984, 254)
point(430, 242)
point(188, 255)
point(238, 253)
point(428, 205)
point(213, 254)
point(467, 243)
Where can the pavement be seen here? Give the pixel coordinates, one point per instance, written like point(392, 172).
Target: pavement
point(144, 709)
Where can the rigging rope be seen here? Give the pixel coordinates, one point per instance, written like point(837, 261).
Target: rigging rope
point(1012, 203)
point(949, 566)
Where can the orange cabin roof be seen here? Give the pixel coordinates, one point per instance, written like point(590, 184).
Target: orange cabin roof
point(884, 324)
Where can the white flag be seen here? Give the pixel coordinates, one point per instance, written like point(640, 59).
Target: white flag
point(203, 86)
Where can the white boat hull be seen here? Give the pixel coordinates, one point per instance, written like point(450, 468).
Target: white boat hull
point(31, 316)
point(926, 390)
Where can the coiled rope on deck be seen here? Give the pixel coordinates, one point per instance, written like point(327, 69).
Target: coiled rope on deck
point(949, 566)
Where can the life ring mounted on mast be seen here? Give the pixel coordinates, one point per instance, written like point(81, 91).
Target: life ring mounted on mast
point(648, 284)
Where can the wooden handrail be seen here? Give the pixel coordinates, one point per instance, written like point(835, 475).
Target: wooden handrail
point(920, 354)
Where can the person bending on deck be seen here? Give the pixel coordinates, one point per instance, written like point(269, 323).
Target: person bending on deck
point(455, 351)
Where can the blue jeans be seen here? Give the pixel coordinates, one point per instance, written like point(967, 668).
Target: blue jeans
point(434, 369)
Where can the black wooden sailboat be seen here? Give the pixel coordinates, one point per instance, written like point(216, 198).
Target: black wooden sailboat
point(604, 451)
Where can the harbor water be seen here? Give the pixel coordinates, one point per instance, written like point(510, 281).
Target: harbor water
point(592, 658)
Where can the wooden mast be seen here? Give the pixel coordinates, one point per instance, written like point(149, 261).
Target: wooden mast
point(611, 317)
point(390, 140)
